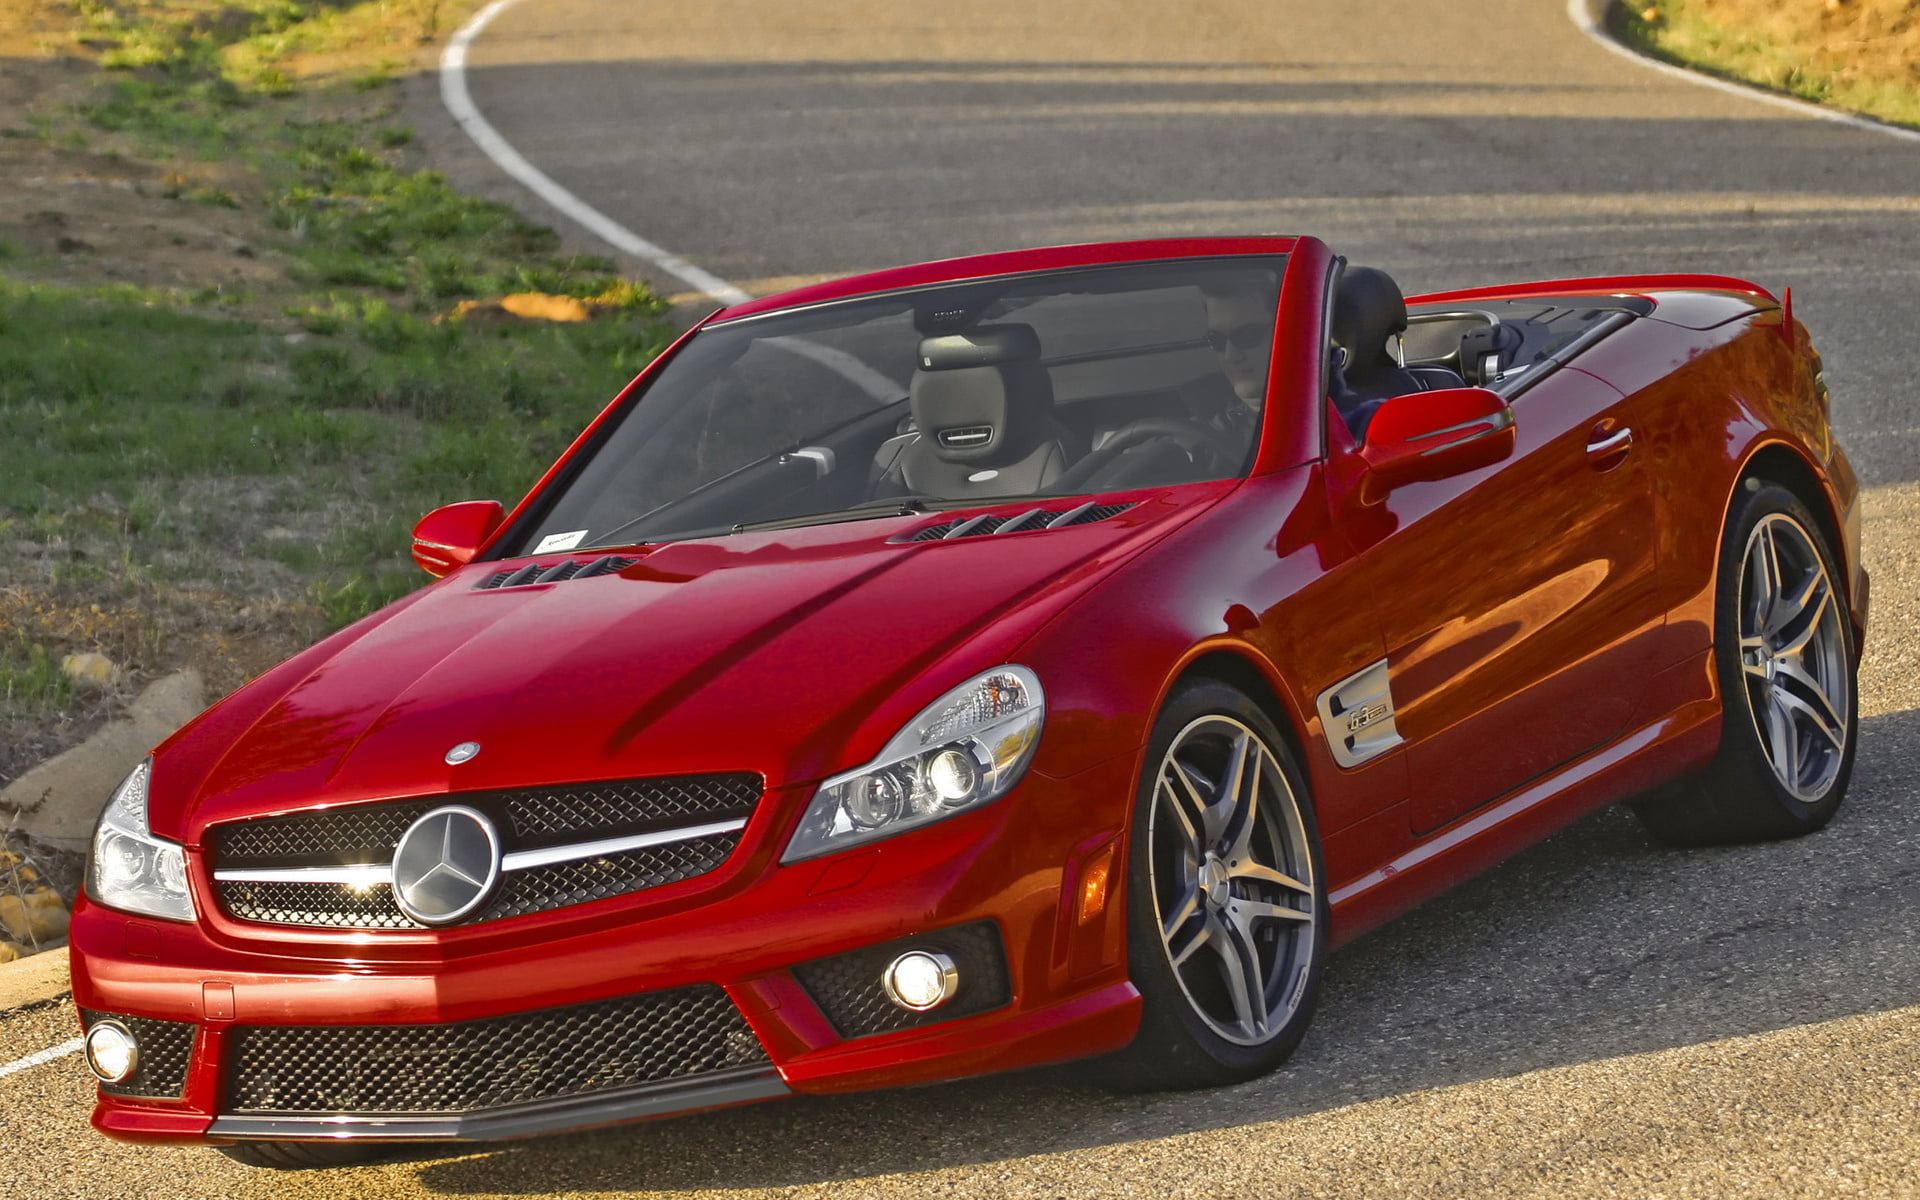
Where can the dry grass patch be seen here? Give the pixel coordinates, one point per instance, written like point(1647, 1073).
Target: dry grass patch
point(1861, 55)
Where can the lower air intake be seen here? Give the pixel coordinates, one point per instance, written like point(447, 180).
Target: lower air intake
point(848, 989)
point(471, 1066)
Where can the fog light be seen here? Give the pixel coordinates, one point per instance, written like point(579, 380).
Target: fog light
point(921, 980)
point(112, 1052)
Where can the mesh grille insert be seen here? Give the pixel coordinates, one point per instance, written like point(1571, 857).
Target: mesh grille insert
point(847, 986)
point(474, 1065)
point(543, 889)
point(527, 817)
point(323, 905)
point(166, 1048)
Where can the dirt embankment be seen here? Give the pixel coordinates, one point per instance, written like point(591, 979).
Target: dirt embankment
point(77, 211)
point(1862, 55)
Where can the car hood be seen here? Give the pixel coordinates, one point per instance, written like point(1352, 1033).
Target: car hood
point(782, 653)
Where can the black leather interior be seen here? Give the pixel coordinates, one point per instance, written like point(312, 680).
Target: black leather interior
point(1487, 351)
point(1368, 312)
point(983, 407)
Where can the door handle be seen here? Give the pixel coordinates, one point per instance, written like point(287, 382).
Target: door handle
point(1607, 447)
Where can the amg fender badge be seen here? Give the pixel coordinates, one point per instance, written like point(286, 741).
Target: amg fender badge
point(1356, 716)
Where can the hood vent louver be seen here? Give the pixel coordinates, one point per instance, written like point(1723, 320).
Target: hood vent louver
point(554, 572)
point(1026, 522)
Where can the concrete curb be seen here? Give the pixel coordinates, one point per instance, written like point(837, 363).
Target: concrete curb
point(34, 979)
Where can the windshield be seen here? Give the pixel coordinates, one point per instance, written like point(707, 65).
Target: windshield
point(1059, 384)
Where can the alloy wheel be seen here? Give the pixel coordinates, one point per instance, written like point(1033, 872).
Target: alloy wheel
point(1232, 879)
point(1793, 657)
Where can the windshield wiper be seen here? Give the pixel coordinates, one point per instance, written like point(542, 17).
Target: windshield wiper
point(905, 507)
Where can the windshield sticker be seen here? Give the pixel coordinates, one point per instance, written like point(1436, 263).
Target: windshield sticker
point(560, 541)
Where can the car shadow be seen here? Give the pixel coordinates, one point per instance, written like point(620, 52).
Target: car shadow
point(1598, 943)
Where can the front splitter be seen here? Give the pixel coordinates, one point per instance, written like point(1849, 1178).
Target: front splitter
point(719, 1090)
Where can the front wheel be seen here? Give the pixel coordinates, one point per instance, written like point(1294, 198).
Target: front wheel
point(1226, 908)
point(1784, 654)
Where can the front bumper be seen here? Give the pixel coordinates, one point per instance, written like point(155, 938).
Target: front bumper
point(1012, 869)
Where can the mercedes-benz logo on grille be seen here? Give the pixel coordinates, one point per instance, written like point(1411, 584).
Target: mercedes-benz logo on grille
point(446, 865)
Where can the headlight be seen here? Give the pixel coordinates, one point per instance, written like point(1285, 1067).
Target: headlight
point(132, 870)
point(965, 749)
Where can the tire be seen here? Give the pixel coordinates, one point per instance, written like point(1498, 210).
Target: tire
point(1226, 901)
point(1788, 672)
point(302, 1156)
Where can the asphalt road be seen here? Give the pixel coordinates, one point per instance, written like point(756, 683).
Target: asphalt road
point(1599, 1016)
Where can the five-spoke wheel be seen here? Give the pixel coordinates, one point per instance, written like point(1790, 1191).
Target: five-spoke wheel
point(1227, 906)
point(1793, 651)
point(1784, 655)
point(1232, 881)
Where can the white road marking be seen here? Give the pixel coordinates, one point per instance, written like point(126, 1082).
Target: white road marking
point(44, 1056)
point(1580, 12)
point(459, 102)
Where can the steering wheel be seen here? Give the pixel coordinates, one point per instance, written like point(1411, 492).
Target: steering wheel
point(1195, 438)
point(1190, 435)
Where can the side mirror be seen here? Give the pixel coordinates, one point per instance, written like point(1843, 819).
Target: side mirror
point(448, 538)
point(1432, 435)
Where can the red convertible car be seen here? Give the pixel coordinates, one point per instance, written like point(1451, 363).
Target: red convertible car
point(1021, 658)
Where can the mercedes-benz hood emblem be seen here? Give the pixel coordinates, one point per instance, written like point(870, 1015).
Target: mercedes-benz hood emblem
point(446, 865)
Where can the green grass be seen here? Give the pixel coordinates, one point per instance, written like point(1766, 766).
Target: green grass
point(1685, 32)
point(31, 678)
point(119, 393)
point(341, 409)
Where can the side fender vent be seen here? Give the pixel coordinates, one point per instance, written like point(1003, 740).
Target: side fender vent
point(554, 572)
point(1029, 521)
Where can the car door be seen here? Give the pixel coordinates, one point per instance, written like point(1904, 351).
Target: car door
point(1516, 601)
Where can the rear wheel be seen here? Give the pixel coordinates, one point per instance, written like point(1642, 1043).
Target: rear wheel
point(1783, 650)
point(301, 1156)
point(1227, 914)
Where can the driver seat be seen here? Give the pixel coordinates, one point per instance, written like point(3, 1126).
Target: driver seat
point(983, 405)
point(1368, 309)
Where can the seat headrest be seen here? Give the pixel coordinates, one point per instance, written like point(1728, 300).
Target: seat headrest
point(987, 346)
point(1367, 310)
point(982, 396)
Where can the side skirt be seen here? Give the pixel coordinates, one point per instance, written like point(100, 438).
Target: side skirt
point(1652, 754)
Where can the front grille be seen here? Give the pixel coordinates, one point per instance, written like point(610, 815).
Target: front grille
point(166, 1047)
point(847, 987)
point(469, 1066)
point(528, 819)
